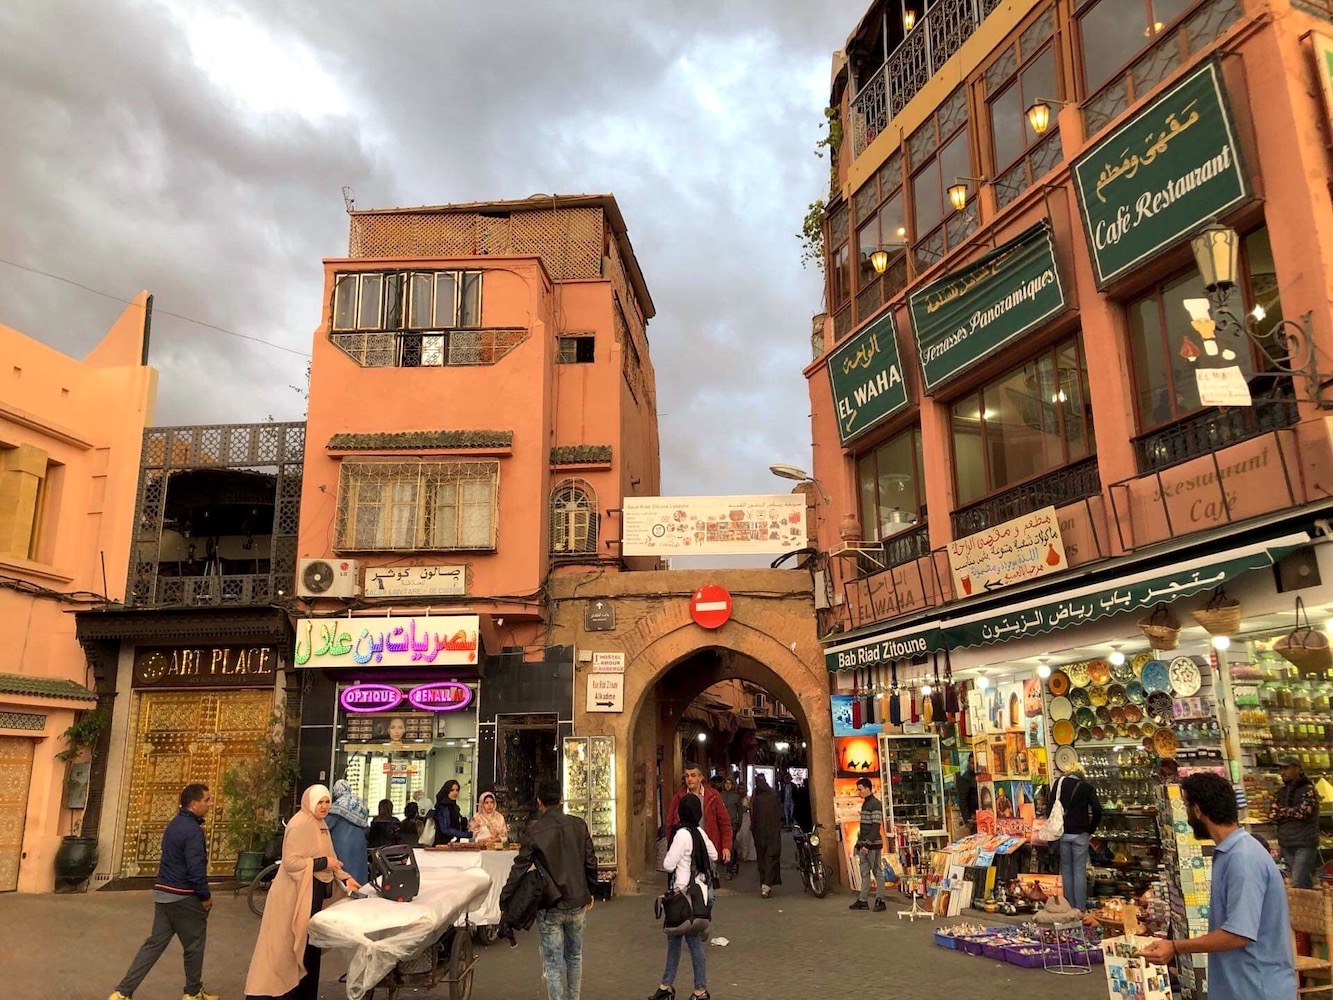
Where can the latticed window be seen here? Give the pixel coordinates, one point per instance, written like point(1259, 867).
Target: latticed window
point(407, 300)
point(940, 155)
point(573, 518)
point(576, 349)
point(417, 505)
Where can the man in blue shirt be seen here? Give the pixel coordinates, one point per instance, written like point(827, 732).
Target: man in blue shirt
point(1249, 930)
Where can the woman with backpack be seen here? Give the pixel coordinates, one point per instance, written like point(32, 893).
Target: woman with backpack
point(689, 858)
point(1082, 812)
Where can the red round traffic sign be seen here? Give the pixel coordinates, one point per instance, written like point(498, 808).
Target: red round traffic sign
point(710, 607)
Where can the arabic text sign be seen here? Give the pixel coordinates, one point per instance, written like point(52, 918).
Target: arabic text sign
point(415, 581)
point(1018, 550)
point(972, 313)
point(1160, 176)
point(430, 640)
point(665, 526)
point(866, 378)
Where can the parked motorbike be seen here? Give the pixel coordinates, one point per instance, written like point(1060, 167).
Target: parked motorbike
point(809, 860)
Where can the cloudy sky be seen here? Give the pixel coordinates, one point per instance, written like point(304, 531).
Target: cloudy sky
point(199, 151)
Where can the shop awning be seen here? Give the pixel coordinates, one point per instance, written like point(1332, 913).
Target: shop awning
point(1049, 612)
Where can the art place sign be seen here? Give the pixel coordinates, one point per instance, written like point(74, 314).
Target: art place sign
point(1159, 177)
point(970, 314)
point(866, 378)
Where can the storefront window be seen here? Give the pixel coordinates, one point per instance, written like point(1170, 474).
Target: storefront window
point(1113, 32)
point(891, 485)
point(1036, 418)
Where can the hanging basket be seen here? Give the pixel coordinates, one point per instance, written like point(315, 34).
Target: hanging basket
point(1161, 628)
point(1221, 615)
point(1304, 647)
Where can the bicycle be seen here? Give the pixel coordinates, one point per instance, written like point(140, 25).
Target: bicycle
point(257, 894)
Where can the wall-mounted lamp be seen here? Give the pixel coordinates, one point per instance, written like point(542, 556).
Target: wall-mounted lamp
point(958, 191)
point(1039, 113)
point(879, 258)
point(909, 19)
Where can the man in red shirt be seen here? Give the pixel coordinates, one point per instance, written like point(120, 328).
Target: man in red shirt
point(717, 824)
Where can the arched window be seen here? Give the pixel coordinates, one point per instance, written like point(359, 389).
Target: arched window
point(574, 519)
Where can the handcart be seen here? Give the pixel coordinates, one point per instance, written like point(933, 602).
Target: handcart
point(418, 944)
point(485, 917)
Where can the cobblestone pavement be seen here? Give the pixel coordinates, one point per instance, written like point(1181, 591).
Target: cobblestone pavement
point(76, 947)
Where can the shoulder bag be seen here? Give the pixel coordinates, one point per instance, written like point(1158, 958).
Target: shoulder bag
point(685, 911)
point(1054, 827)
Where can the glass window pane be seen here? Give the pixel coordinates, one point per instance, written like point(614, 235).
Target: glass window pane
point(1008, 125)
point(1073, 402)
point(470, 304)
point(1111, 33)
point(1179, 332)
point(1022, 437)
point(927, 200)
point(956, 161)
point(393, 302)
point(446, 286)
point(368, 315)
point(865, 475)
point(344, 302)
point(419, 302)
point(897, 484)
point(867, 239)
point(969, 462)
point(842, 288)
point(1150, 364)
point(920, 485)
point(444, 533)
point(478, 513)
point(1263, 288)
point(1166, 11)
point(1039, 82)
point(892, 222)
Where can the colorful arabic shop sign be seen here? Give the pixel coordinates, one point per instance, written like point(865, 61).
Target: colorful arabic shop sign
point(1008, 553)
point(448, 640)
point(972, 313)
point(1160, 176)
point(442, 696)
point(866, 378)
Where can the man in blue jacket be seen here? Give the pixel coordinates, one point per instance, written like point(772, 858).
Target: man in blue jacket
point(181, 899)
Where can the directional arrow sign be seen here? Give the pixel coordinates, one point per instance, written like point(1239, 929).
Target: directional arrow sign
point(606, 693)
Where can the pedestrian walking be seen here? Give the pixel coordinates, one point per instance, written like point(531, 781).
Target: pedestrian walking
point(1248, 943)
point(716, 821)
point(766, 826)
point(870, 846)
point(787, 796)
point(731, 798)
point(689, 858)
point(1083, 812)
point(965, 791)
point(1296, 814)
point(285, 964)
point(181, 898)
point(562, 846)
point(349, 826)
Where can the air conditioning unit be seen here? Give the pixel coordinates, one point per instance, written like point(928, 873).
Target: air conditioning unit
point(328, 578)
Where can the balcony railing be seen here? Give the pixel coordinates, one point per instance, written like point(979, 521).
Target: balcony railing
point(1206, 432)
point(907, 545)
point(939, 33)
point(1073, 482)
point(430, 348)
point(211, 591)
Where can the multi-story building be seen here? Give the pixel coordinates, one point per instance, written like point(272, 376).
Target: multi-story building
point(70, 433)
point(1022, 198)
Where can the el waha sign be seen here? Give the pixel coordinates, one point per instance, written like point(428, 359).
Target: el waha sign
point(867, 378)
point(1160, 176)
point(970, 314)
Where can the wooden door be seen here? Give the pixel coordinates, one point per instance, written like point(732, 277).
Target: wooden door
point(15, 775)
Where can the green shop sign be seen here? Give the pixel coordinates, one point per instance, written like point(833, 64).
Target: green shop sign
point(1157, 178)
point(970, 314)
point(867, 378)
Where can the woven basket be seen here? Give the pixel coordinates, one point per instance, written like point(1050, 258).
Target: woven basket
point(1220, 616)
point(1161, 628)
point(1305, 647)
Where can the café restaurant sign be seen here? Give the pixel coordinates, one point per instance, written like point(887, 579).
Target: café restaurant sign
point(1022, 549)
point(970, 314)
point(1160, 176)
point(204, 666)
point(438, 640)
point(866, 377)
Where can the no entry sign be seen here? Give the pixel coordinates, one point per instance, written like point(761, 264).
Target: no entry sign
point(710, 607)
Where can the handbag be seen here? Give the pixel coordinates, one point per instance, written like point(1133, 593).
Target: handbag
point(1054, 827)
point(688, 910)
point(427, 838)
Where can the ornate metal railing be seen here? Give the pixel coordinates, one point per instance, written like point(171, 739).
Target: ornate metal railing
point(907, 546)
point(429, 348)
point(928, 46)
point(1209, 431)
point(254, 588)
point(1073, 482)
point(1036, 163)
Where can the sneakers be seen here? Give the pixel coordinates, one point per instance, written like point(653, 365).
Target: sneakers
point(765, 891)
point(117, 995)
point(664, 994)
point(201, 995)
point(880, 906)
point(860, 904)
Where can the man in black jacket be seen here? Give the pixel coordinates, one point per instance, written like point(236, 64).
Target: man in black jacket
point(1296, 815)
point(181, 899)
point(562, 845)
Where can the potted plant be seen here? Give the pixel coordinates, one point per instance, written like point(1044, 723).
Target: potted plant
point(251, 790)
point(76, 859)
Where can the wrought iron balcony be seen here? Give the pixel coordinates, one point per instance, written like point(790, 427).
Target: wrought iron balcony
point(907, 546)
point(213, 591)
point(1073, 482)
point(1209, 431)
point(939, 33)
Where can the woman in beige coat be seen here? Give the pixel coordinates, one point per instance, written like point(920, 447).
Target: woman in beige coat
point(285, 965)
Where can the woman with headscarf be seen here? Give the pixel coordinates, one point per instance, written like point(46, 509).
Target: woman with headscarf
point(348, 821)
point(450, 825)
point(688, 857)
point(284, 964)
point(766, 825)
point(489, 826)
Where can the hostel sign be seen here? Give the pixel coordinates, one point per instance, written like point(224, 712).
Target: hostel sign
point(1161, 175)
point(972, 313)
point(866, 377)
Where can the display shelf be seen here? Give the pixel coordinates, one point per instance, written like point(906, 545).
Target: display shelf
point(589, 790)
point(912, 784)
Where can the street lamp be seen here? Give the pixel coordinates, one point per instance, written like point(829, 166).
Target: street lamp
point(909, 19)
point(801, 476)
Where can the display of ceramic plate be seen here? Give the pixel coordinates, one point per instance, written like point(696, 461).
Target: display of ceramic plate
point(1058, 683)
point(1099, 671)
point(1098, 733)
point(1086, 718)
point(1115, 695)
point(1117, 714)
point(1156, 676)
point(1097, 696)
point(1083, 735)
point(1105, 714)
point(1063, 732)
point(1148, 743)
point(1133, 713)
point(1161, 707)
point(1061, 708)
point(1135, 730)
point(1134, 693)
point(1138, 660)
point(1185, 679)
point(1147, 727)
point(1078, 674)
point(1123, 671)
point(1080, 698)
point(1164, 742)
point(1065, 758)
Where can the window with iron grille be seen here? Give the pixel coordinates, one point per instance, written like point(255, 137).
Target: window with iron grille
point(940, 154)
point(892, 486)
point(1112, 32)
point(1024, 72)
point(574, 519)
point(880, 223)
point(421, 505)
point(406, 300)
point(576, 349)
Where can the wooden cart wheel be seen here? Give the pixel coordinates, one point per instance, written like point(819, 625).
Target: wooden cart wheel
point(460, 967)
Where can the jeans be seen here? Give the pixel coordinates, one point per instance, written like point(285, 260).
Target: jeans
point(186, 919)
point(1074, 868)
point(870, 863)
point(1301, 861)
point(697, 960)
point(562, 952)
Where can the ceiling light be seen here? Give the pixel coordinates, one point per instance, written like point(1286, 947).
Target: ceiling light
point(1259, 313)
point(1221, 642)
point(1116, 656)
point(1044, 671)
point(983, 681)
point(702, 737)
point(925, 690)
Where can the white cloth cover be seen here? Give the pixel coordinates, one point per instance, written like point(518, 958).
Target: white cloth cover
point(497, 864)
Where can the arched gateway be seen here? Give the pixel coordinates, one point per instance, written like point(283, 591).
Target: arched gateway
point(769, 640)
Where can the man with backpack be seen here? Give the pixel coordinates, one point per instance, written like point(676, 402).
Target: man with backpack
point(558, 848)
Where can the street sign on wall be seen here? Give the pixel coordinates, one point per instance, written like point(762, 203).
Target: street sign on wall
point(705, 526)
point(710, 606)
point(606, 693)
point(1159, 177)
point(866, 378)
